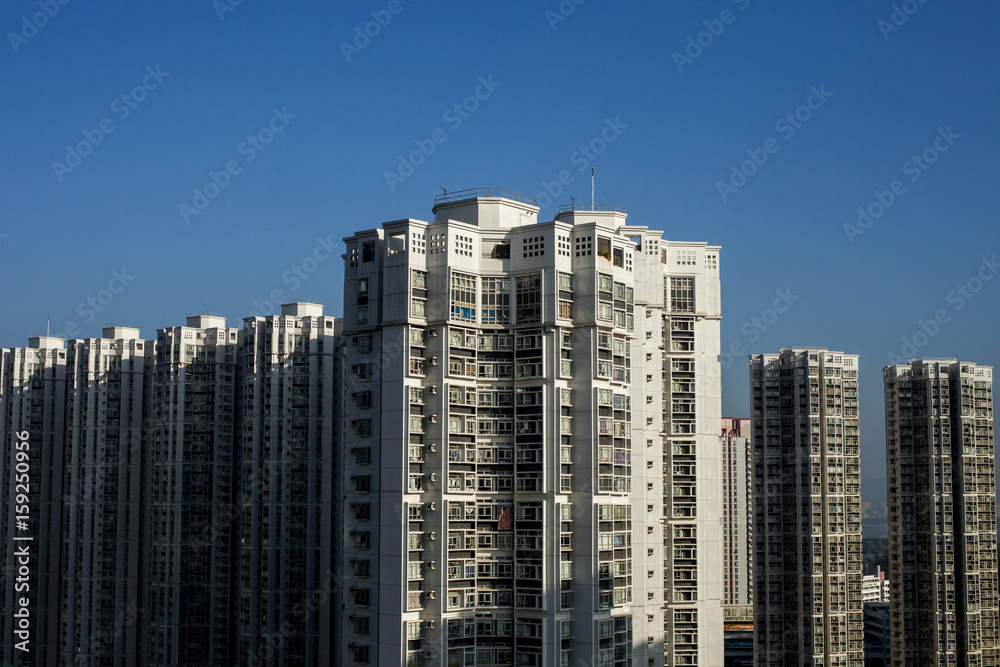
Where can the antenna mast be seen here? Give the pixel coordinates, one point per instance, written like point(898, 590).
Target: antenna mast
point(591, 188)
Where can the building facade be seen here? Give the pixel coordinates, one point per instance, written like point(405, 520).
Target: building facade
point(102, 520)
point(737, 513)
point(807, 508)
point(33, 418)
point(192, 520)
point(287, 404)
point(942, 513)
point(530, 465)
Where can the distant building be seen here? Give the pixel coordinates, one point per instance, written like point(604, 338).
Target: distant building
point(103, 512)
point(32, 411)
point(807, 508)
point(874, 585)
point(942, 513)
point(878, 630)
point(288, 402)
point(737, 513)
point(192, 516)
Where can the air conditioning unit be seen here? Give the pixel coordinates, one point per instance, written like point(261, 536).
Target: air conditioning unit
point(431, 623)
point(354, 394)
point(432, 595)
point(434, 361)
point(430, 653)
point(433, 389)
point(354, 341)
point(432, 331)
point(432, 536)
point(432, 506)
point(432, 565)
point(434, 419)
point(434, 477)
point(432, 448)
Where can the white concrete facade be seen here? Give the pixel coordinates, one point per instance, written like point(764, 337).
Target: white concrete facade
point(531, 462)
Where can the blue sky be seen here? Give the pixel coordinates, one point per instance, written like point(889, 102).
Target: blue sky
point(330, 121)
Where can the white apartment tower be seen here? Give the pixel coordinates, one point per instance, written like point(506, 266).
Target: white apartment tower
point(942, 513)
point(531, 464)
point(101, 535)
point(288, 399)
point(737, 513)
point(32, 411)
point(807, 509)
point(191, 476)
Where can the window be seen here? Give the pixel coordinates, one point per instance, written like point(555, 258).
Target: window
point(364, 399)
point(566, 281)
point(619, 257)
point(361, 625)
point(368, 252)
point(363, 483)
point(362, 289)
point(604, 282)
point(419, 279)
point(363, 455)
point(364, 427)
point(418, 307)
point(363, 512)
point(496, 301)
point(364, 343)
point(362, 539)
point(362, 314)
point(566, 309)
point(360, 651)
point(463, 297)
point(682, 295)
point(604, 311)
point(363, 371)
point(529, 298)
point(604, 247)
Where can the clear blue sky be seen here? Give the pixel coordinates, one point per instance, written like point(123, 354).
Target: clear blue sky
point(66, 230)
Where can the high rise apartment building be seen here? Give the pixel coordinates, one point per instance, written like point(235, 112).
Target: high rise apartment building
point(102, 493)
point(807, 509)
point(530, 467)
point(32, 411)
point(288, 401)
point(191, 512)
point(942, 513)
point(737, 513)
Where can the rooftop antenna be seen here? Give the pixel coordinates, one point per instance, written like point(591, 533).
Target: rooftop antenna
point(591, 188)
point(442, 189)
point(48, 320)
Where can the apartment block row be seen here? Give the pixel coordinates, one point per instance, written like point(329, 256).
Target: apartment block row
point(507, 452)
point(809, 592)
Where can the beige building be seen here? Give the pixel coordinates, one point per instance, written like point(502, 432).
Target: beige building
point(102, 494)
point(190, 532)
point(288, 402)
point(531, 463)
point(32, 411)
point(737, 512)
point(807, 509)
point(942, 513)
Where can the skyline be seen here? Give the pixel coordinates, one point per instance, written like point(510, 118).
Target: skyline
point(537, 99)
